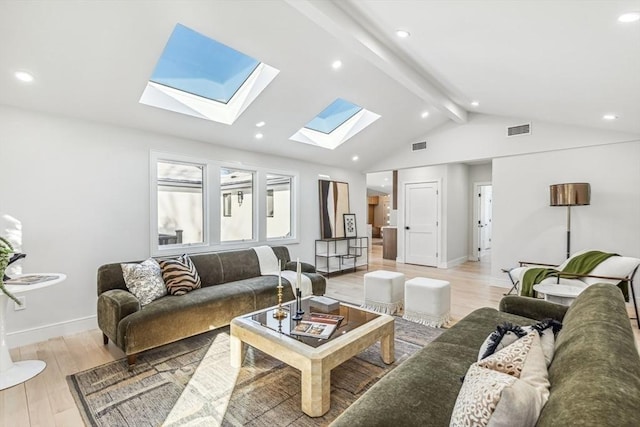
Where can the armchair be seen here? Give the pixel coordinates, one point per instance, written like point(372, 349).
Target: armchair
point(615, 270)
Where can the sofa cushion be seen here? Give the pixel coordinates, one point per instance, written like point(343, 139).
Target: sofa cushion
point(595, 372)
point(494, 398)
point(180, 275)
point(239, 265)
point(157, 323)
point(144, 280)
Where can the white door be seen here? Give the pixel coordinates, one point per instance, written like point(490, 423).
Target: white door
point(421, 223)
point(483, 212)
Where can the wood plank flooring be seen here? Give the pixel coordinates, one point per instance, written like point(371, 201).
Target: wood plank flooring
point(46, 400)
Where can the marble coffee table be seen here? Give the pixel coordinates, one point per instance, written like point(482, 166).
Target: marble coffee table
point(315, 358)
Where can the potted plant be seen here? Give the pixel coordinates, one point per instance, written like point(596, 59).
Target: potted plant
point(5, 253)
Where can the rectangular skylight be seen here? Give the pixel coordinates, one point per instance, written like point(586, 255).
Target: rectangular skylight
point(335, 124)
point(338, 112)
point(199, 76)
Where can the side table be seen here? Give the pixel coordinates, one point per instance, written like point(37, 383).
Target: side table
point(14, 373)
point(560, 294)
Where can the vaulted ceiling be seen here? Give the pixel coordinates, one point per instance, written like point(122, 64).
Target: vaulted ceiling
point(563, 61)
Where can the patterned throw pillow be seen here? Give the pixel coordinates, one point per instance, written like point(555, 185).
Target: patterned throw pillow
point(523, 359)
point(508, 333)
point(495, 398)
point(144, 280)
point(180, 275)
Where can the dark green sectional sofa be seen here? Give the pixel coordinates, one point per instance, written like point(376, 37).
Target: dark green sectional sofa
point(231, 286)
point(594, 374)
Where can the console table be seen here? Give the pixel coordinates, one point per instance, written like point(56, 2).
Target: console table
point(13, 373)
point(341, 254)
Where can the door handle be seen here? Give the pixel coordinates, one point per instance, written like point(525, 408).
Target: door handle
point(406, 228)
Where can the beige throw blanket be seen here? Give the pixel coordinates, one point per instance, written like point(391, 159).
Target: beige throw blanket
point(270, 266)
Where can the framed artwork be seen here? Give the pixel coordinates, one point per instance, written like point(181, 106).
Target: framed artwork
point(350, 225)
point(334, 203)
point(226, 204)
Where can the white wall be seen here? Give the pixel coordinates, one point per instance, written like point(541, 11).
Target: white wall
point(458, 208)
point(525, 227)
point(81, 190)
point(483, 137)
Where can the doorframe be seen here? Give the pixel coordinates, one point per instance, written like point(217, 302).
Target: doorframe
point(402, 202)
point(475, 255)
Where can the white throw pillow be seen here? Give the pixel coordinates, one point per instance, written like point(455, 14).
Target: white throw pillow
point(144, 280)
point(492, 398)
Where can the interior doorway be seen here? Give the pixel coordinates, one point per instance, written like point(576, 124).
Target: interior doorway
point(482, 212)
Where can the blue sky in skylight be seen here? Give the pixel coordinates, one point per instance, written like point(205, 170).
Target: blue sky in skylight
point(338, 112)
point(194, 63)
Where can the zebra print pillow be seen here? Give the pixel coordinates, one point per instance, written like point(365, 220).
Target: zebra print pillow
point(180, 275)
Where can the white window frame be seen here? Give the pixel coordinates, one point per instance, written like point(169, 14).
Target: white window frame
point(156, 249)
point(212, 196)
point(295, 180)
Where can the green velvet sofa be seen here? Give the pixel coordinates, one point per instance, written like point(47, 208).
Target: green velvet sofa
point(231, 286)
point(594, 374)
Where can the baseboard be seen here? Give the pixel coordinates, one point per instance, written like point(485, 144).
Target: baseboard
point(43, 333)
point(453, 263)
point(501, 283)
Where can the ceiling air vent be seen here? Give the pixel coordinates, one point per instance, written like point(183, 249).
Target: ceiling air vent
point(419, 146)
point(519, 130)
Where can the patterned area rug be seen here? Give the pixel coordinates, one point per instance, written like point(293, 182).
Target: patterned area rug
point(191, 383)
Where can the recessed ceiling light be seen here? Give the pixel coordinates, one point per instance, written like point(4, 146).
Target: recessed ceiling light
point(355, 158)
point(474, 103)
point(609, 117)
point(424, 114)
point(386, 179)
point(23, 76)
point(260, 124)
point(259, 136)
point(336, 64)
point(629, 17)
point(403, 34)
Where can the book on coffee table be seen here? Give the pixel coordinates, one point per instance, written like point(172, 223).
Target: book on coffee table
point(319, 325)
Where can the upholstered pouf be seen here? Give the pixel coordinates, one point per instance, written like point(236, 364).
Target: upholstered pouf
point(427, 301)
point(383, 291)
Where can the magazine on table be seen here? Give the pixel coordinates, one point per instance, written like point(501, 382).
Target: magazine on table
point(30, 279)
point(319, 325)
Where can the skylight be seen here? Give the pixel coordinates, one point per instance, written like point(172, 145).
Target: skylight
point(335, 124)
point(338, 112)
point(202, 77)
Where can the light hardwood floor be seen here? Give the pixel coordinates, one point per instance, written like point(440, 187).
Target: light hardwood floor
point(46, 401)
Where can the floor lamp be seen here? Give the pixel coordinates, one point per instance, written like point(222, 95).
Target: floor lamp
point(571, 194)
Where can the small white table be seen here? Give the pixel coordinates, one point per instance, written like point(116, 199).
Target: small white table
point(560, 294)
point(14, 373)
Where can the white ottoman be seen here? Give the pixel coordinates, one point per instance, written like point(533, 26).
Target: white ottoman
point(427, 301)
point(383, 291)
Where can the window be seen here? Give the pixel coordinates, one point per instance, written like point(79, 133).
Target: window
point(236, 192)
point(180, 201)
point(200, 205)
point(278, 204)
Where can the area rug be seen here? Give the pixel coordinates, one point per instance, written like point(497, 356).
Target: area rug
point(191, 383)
